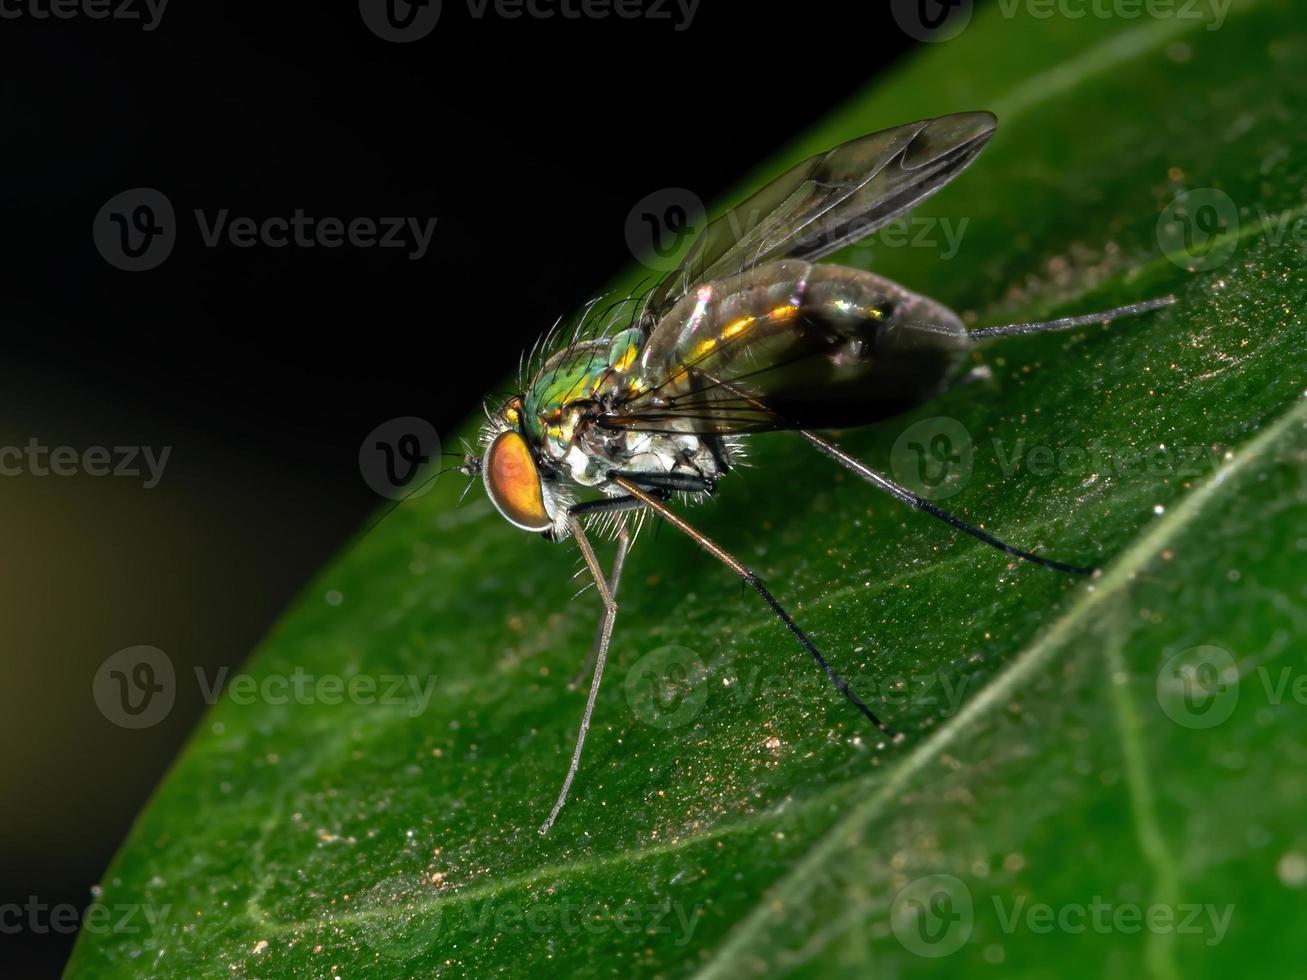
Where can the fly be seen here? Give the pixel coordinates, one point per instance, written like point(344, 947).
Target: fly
point(747, 335)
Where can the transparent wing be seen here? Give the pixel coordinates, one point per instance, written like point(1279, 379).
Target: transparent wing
point(829, 201)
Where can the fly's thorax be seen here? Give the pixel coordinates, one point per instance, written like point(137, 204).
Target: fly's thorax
point(564, 383)
point(569, 384)
point(566, 395)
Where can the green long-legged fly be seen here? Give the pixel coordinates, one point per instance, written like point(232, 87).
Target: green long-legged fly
point(746, 335)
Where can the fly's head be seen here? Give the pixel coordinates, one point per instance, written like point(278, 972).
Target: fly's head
point(519, 481)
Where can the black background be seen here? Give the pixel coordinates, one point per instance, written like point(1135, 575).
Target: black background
point(528, 140)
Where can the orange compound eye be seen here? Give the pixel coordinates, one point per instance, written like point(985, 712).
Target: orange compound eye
point(513, 483)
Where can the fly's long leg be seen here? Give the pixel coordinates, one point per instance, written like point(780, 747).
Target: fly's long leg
point(731, 562)
point(920, 503)
point(601, 653)
point(614, 580)
point(1072, 322)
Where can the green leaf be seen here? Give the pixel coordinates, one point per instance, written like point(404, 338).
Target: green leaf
point(1099, 777)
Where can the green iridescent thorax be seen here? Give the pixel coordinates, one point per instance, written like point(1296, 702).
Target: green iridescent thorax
point(584, 373)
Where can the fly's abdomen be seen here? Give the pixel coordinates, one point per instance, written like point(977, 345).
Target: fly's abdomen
point(818, 345)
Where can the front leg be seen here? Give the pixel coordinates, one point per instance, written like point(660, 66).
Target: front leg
point(614, 580)
point(601, 649)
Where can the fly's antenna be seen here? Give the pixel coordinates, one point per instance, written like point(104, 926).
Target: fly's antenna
point(1072, 322)
point(412, 493)
point(473, 461)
